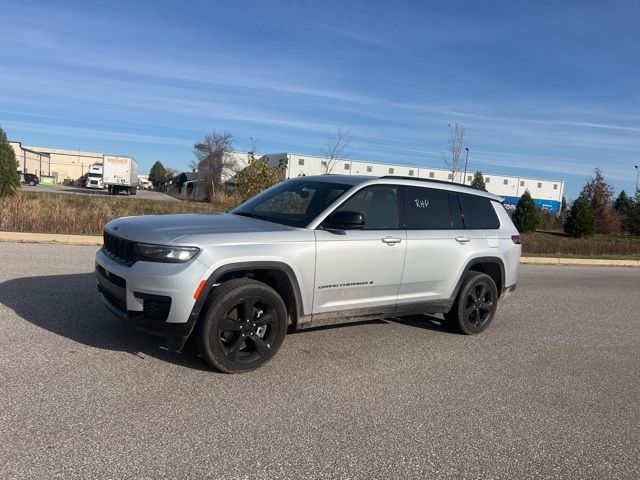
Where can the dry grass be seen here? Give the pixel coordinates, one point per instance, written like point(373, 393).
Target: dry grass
point(86, 214)
point(557, 244)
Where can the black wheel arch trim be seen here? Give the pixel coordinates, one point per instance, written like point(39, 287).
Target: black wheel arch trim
point(239, 267)
point(480, 261)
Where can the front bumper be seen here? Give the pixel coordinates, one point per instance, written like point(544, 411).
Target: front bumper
point(156, 298)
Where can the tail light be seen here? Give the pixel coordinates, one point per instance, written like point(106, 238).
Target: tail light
point(516, 239)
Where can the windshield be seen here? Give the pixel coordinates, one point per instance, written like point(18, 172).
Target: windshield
point(294, 202)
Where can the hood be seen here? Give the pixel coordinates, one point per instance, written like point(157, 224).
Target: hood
point(165, 229)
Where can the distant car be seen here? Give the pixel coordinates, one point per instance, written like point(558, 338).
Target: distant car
point(30, 179)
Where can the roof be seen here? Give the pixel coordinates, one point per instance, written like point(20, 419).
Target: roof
point(396, 179)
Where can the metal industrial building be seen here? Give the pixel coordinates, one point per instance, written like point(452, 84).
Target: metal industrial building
point(547, 194)
point(54, 162)
point(72, 164)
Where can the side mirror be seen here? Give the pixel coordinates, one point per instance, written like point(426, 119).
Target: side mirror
point(345, 220)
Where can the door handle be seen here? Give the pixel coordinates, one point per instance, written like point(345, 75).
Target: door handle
point(391, 240)
point(462, 239)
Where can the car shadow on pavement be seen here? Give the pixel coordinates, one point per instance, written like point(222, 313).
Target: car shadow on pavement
point(68, 305)
point(425, 322)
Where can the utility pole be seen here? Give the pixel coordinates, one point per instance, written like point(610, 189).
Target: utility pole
point(466, 159)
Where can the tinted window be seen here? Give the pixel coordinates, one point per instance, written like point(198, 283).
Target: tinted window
point(378, 204)
point(478, 212)
point(293, 202)
point(427, 209)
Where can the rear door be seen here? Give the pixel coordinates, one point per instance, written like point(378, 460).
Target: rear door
point(362, 269)
point(438, 246)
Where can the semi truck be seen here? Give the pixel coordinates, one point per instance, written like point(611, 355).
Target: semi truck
point(94, 179)
point(120, 174)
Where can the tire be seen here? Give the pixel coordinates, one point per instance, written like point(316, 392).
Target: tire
point(475, 306)
point(234, 346)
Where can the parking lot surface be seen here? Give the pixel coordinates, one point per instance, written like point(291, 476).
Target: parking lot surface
point(140, 194)
point(550, 390)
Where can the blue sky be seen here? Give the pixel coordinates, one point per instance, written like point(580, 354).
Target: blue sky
point(545, 88)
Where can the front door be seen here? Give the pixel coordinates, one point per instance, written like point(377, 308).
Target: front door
point(361, 269)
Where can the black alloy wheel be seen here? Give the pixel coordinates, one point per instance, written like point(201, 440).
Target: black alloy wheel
point(479, 304)
point(247, 331)
point(243, 327)
point(475, 306)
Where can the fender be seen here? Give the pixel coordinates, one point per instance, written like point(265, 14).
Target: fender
point(476, 261)
point(240, 266)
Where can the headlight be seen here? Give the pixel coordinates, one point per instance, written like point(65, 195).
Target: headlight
point(160, 253)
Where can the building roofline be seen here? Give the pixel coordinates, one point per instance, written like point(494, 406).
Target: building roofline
point(407, 165)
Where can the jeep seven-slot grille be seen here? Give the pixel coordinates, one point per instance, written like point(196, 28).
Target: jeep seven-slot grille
point(119, 249)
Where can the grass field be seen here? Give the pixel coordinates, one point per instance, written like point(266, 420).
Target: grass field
point(86, 214)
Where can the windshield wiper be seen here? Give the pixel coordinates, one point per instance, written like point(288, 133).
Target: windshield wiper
point(253, 215)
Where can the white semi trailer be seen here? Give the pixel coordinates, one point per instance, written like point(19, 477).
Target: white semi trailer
point(120, 174)
point(94, 179)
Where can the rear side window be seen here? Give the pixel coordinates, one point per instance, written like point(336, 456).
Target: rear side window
point(426, 209)
point(478, 213)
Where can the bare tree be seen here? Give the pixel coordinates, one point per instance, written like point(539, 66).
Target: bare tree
point(453, 156)
point(213, 159)
point(336, 148)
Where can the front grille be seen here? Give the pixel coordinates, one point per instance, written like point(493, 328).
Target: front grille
point(119, 249)
point(118, 302)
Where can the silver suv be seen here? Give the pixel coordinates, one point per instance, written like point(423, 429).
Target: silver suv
point(306, 252)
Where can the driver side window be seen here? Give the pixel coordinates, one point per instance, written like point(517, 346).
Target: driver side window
point(378, 204)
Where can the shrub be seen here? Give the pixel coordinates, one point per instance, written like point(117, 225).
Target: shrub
point(581, 221)
point(478, 181)
point(258, 176)
point(9, 176)
point(526, 216)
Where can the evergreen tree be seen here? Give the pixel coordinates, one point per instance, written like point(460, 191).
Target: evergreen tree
point(478, 181)
point(600, 195)
point(582, 220)
point(526, 217)
point(563, 206)
point(632, 222)
point(9, 176)
point(623, 203)
point(157, 174)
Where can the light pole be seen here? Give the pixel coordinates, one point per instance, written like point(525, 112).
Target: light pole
point(466, 159)
point(637, 176)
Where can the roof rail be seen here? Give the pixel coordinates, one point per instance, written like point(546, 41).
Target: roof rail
point(429, 180)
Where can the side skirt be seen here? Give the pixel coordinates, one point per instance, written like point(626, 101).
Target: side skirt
point(373, 313)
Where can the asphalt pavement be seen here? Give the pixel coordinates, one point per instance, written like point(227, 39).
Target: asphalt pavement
point(140, 194)
point(550, 390)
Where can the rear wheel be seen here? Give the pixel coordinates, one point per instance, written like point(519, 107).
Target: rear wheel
point(244, 326)
point(475, 305)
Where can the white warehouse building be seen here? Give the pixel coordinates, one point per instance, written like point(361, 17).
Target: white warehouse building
point(547, 194)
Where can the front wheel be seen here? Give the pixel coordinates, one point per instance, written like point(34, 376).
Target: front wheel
point(243, 327)
point(475, 305)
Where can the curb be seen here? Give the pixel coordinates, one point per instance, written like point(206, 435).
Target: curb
point(600, 262)
point(27, 237)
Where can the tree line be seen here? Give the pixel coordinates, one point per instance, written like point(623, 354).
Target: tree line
point(594, 211)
